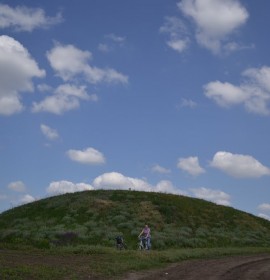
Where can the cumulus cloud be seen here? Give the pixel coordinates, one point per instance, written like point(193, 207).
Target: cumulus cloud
point(61, 187)
point(216, 196)
point(115, 38)
point(176, 31)
point(26, 199)
point(44, 88)
point(112, 180)
point(166, 186)
point(115, 180)
point(234, 46)
point(66, 97)
point(87, 156)
point(264, 207)
point(264, 216)
point(225, 94)
point(159, 169)
point(240, 166)
point(17, 186)
point(70, 62)
point(49, 132)
point(56, 104)
point(187, 103)
point(17, 68)
point(104, 48)
point(190, 165)
point(215, 20)
point(253, 93)
point(72, 90)
point(23, 18)
point(112, 41)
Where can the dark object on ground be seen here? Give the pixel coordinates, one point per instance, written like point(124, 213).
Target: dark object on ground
point(120, 244)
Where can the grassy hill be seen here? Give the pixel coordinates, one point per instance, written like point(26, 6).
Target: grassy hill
point(96, 217)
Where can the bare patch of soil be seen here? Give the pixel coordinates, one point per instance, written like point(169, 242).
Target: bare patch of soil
point(228, 268)
point(80, 267)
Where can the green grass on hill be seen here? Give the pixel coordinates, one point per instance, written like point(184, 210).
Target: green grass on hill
point(96, 217)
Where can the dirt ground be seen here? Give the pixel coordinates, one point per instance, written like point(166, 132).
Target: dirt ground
point(228, 268)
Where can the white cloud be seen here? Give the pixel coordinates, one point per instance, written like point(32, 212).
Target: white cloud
point(87, 156)
point(56, 104)
point(177, 34)
point(187, 103)
point(233, 46)
point(264, 207)
point(72, 90)
point(115, 180)
point(237, 165)
point(104, 48)
point(66, 97)
point(216, 196)
point(112, 180)
point(23, 18)
point(178, 45)
point(225, 94)
point(26, 199)
point(190, 165)
point(115, 38)
point(215, 20)
point(159, 169)
point(259, 76)
point(17, 186)
point(166, 186)
point(253, 92)
point(264, 216)
point(61, 187)
point(112, 41)
point(17, 69)
point(70, 62)
point(44, 87)
point(49, 132)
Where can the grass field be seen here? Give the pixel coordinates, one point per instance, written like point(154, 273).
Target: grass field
point(99, 262)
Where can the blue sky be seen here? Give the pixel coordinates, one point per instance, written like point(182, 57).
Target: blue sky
point(157, 95)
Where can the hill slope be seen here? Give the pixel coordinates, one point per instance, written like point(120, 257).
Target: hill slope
point(96, 217)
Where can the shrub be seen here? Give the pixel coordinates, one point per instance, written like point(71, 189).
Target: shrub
point(65, 238)
point(119, 219)
point(185, 232)
point(202, 233)
point(67, 220)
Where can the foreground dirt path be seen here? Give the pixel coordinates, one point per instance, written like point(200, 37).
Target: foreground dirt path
point(80, 267)
point(229, 268)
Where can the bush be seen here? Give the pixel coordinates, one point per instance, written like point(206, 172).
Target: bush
point(118, 219)
point(202, 233)
point(185, 232)
point(65, 238)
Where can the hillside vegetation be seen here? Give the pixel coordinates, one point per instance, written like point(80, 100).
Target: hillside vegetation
point(97, 217)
